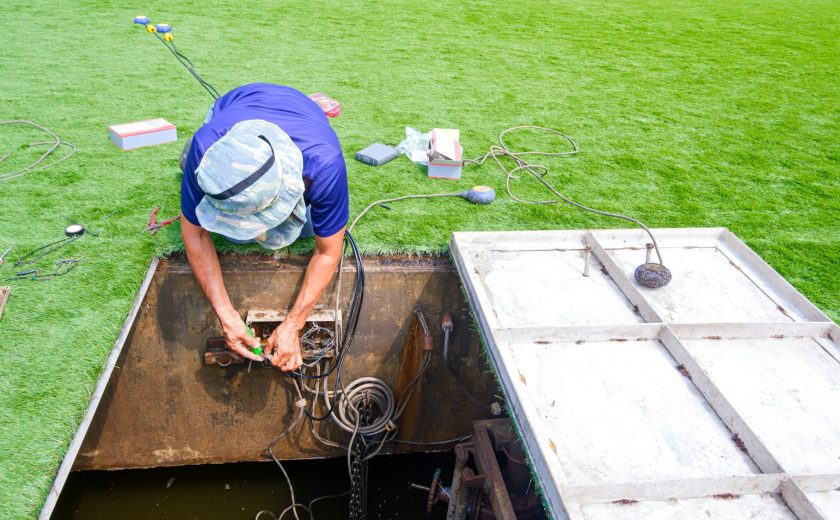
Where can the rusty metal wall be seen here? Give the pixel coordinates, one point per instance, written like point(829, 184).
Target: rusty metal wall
point(163, 407)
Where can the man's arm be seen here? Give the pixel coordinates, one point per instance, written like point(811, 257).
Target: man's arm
point(201, 253)
point(285, 340)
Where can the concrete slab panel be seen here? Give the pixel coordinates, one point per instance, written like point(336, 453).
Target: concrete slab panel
point(722, 380)
point(535, 288)
point(619, 411)
point(706, 288)
point(827, 503)
point(786, 389)
point(765, 507)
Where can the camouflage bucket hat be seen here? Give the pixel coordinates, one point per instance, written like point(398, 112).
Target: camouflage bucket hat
point(253, 185)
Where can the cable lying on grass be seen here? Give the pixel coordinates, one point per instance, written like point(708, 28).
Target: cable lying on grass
point(41, 163)
point(651, 275)
point(539, 172)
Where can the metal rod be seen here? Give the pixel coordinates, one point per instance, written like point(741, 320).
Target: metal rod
point(649, 252)
point(587, 255)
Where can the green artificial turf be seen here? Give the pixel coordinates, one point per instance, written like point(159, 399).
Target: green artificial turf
point(687, 114)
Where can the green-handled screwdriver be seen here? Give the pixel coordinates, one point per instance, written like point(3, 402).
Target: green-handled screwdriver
point(256, 350)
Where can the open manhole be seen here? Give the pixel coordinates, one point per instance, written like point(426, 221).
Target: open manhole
point(165, 403)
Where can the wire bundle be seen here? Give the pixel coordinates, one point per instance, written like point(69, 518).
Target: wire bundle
point(317, 342)
point(39, 164)
point(539, 172)
point(183, 60)
point(368, 390)
point(330, 398)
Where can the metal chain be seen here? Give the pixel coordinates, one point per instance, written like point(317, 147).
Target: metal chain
point(358, 465)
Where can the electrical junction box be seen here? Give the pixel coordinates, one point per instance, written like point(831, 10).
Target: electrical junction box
point(318, 339)
point(445, 154)
point(138, 134)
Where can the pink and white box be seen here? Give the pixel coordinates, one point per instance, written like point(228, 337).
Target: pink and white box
point(445, 154)
point(138, 134)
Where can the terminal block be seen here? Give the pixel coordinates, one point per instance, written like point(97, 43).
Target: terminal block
point(319, 338)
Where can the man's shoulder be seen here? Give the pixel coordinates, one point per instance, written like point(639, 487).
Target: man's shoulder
point(328, 157)
point(246, 94)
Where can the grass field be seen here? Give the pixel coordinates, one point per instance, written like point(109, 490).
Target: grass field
point(687, 114)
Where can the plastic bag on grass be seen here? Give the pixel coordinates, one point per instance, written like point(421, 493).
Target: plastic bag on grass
point(415, 145)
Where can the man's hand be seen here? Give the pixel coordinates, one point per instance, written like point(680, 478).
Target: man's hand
point(284, 342)
point(237, 337)
point(283, 346)
point(204, 262)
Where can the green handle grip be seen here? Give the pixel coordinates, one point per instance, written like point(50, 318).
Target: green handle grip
point(256, 350)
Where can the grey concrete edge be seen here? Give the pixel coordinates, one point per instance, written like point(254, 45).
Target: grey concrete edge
point(73, 450)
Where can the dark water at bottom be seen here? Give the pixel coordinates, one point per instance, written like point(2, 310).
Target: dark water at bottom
point(239, 491)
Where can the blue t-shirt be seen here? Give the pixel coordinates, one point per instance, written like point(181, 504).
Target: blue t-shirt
point(324, 171)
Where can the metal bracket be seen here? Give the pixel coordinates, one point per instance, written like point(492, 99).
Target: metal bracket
point(218, 354)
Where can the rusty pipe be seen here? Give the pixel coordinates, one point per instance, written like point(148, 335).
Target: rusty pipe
point(447, 323)
point(428, 340)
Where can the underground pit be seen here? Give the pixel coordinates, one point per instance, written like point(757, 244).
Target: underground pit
point(162, 406)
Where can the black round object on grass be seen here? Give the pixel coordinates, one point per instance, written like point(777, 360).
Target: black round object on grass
point(653, 275)
point(74, 230)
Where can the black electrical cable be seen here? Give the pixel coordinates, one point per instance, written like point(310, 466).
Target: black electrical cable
point(347, 339)
point(432, 443)
point(461, 384)
point(353, 314)
point(188, 64)
point(58, 244)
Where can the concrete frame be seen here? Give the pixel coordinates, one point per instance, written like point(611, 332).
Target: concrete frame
point(737, 282)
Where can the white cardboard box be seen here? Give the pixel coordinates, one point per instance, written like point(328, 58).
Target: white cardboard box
point(138, 134)
point(445, 154)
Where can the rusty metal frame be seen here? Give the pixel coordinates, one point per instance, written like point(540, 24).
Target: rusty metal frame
point(489, 478)
point(494, 484)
